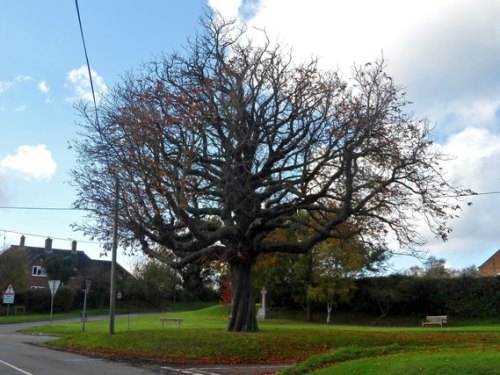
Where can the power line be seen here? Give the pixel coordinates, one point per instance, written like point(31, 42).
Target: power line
point(41, 208)
point(82, 209)
point(44, 236)
point(485, 193)
point(87, 59)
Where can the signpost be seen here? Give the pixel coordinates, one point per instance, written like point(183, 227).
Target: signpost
point(119, 297)
point(8, 297)
point(53, 285)
point(88, 283)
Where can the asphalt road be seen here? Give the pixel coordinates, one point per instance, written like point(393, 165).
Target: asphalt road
point(18, 356)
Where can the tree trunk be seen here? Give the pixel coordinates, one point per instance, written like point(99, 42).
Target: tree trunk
point(329, 312)
point(243, 316)
point(309, 311)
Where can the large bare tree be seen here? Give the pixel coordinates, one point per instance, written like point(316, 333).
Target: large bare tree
point(219, 145)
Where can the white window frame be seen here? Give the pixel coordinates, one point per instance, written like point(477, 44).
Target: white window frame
point(38, 271)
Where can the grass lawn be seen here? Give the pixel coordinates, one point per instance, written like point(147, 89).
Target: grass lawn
point(444, 363)
point(203, 339)
point(30, 317)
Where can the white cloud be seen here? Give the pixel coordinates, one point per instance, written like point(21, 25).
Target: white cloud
point(29, 163)
point(23, 78)
point(21, 108)
point(445, 52)
point(227, 8)
point(476, 154)
point(78, 81)
point(43, 87)
point(476, 151)
point(4, 86)
point(446, 55)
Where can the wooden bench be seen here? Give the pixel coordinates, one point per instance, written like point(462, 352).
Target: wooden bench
point(171, 320)
point(435, 320)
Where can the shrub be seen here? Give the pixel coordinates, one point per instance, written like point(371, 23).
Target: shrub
point(64, 300)
point(38, 300)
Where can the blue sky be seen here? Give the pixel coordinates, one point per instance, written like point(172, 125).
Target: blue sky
point(446, 53)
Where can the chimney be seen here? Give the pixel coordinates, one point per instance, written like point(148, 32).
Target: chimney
point(48, 245)
point(23, 240)
point(73, 247)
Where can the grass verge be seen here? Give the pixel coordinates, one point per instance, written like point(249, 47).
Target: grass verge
point(426, 363)
point(203, 339)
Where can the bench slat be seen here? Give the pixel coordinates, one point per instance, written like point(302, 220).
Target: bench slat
point(437, 319)
point(171, 320)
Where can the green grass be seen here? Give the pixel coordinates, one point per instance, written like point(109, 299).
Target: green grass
point(11, 319)
point(442, 363)
point(203, 339)
point(35, 317)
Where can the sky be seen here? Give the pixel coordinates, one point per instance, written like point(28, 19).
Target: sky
point(445, 53)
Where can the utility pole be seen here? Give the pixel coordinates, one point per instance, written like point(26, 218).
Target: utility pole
point(112, 289)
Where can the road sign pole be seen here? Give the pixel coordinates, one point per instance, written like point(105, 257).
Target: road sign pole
point(88, 283)
point(8, 297)
point(51, 307)
point(53, 286)
point(112, 288)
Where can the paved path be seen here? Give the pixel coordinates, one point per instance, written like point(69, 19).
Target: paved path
point(18, 356)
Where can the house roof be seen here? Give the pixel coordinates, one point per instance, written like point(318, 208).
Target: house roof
point(39, 252)
point(497, 253)
point(85, 265)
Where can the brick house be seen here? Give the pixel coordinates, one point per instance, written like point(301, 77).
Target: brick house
point(492, 265)
point(83, 266)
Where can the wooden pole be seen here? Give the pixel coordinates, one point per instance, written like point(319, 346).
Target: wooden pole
point(112, 289)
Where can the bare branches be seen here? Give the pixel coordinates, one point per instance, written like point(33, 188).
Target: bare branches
point(219, 147)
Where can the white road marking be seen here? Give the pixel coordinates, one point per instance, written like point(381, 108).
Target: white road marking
point(15, 368)
point(207, 370)
point(190, 371)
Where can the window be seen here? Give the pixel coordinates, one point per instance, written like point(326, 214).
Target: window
point(38, 271)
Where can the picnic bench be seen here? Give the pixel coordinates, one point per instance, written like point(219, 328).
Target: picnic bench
point(435, 320)
point(171, 320)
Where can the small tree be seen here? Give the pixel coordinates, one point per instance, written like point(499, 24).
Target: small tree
point(155, 282)
point(14, 269)
point(59, 268)
point(334, 265)
point(225, 294)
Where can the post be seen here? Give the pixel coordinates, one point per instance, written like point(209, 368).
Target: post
point(88, 282)
point(264, 292)
point(51, 307)
point(53, 286)
point(263, 313)
point(112, 290)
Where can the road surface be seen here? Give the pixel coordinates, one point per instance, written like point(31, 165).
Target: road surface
point(19, 357)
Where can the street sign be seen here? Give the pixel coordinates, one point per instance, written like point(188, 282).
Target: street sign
point(8, 295)
point(54, 285)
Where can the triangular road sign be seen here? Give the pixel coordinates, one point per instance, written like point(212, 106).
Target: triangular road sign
point(53, 285)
